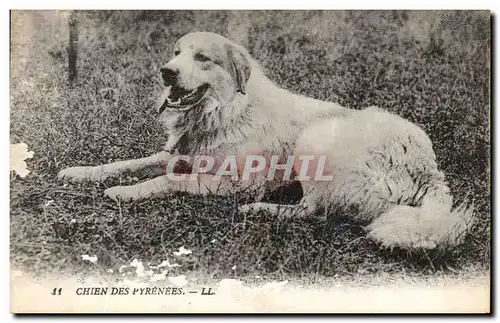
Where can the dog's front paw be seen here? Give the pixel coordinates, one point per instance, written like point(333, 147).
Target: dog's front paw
point(77, 174)
point(84, 173)
point(123, 193)
point(425, 244)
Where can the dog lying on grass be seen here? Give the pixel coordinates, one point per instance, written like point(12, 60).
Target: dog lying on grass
point(235, 129)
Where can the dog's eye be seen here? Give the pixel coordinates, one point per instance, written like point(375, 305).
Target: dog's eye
point(177, 52)
point(201, 58)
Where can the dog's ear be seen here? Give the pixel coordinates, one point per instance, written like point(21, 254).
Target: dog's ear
point(239, 65)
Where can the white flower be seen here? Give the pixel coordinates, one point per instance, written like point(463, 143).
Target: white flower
point(18, 153)
point(234, 267)
point(92, 259)
point(110, 271)
point(157, 277)
point(73, 221)
point(182, 251)
point(139, 268)
point(178, 280)
point(166, 263)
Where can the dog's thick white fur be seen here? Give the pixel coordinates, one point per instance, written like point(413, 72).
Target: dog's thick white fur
point(384, 169)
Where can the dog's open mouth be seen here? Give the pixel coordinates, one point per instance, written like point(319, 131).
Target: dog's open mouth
point(182, 99)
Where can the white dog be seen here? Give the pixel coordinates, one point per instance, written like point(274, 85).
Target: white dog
point(218, 102)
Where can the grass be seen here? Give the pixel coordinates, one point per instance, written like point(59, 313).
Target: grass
point(429, 67)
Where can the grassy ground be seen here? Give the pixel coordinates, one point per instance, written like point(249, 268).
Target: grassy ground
point(429, 67)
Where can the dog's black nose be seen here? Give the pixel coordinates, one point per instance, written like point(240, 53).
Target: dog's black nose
point(169, 75)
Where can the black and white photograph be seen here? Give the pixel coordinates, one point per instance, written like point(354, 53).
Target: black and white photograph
point(250, 161)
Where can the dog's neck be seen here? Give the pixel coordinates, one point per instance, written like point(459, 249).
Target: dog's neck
point(281, 104)
point(210, 128)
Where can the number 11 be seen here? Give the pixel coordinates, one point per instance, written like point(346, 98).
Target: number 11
point(56, 291)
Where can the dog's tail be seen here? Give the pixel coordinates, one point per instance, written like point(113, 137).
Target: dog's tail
point(432, 224)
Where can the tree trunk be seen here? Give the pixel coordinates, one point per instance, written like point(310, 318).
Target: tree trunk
point(72, 48)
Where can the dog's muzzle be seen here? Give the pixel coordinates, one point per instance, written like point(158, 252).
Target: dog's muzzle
point(182, 99)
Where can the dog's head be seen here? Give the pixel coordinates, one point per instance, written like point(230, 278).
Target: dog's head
point(206, 68)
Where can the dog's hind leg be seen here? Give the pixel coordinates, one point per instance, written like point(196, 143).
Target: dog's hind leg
point(308, 205)
point(204, 184)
